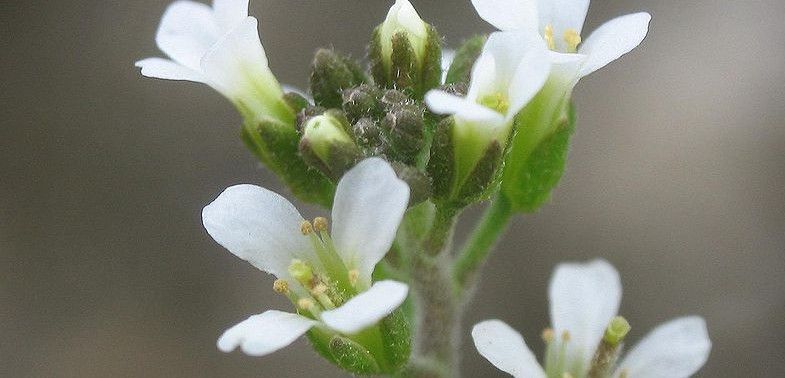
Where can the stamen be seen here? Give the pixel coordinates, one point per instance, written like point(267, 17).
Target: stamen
point(281, 286)
point(309, 305)
point(567, 375)
point(548, 335)
point(320, 224)
point(565, 336)
point(496, 101)
point(549, 37)
point(354, 275)
point(320, 293)
point(573, 39)
point(306, 227)
point(624, 374)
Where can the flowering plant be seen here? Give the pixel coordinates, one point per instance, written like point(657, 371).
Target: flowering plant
point(398, 151)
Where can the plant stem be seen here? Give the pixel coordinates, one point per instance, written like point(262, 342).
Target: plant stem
point(438, 308)
point(482, 240)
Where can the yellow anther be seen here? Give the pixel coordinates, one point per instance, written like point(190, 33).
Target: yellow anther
point(573, 39)
point(624, 374)
point(565, 336)
point(319, 289)
point(354, 276)
point(306, 227)
point(281, 287)
point(567, 375)
point(320, 224)
point(548, 335)
point(306, 304)
point(549, 37)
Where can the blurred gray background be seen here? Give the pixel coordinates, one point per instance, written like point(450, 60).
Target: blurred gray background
point(677, 176)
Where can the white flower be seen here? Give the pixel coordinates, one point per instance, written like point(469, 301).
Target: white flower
point(327, 277)
point(584, 298)
point(559, 23)
point(511, 69)
point(220, 47)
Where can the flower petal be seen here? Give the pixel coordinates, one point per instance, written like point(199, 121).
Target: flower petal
point(584, 298)
point(504, 348)
point(508, 14)
point(369, 205)
point(265, 333)
point(258, 226)
point(367, 308)
point(614, 39)
point(230, 12)
point(188, 29)
point(448, 56)
point(238, 60)
point(530, 75)
point(166, 69)
point(563, 14)
point(676, 349)
point(441, 102)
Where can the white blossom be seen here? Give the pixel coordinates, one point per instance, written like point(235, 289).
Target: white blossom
point(327, 275)
point(584, 298)
point(218, 46)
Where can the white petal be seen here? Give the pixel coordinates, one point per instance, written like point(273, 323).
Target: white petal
point(485, 78)
point(508, 14)
point(236, 59)
point(504, 348)
point(188, 29)
point(676, 349)
point(292, 89)
point(166, 69)
point(369, 205)
point(530, 75)
point(563, 15)
point(441, 102)
point(265, 333)
point(614, 39)
point(367, 308)
point(258, 226)
point(584, 298)
point(230, 12)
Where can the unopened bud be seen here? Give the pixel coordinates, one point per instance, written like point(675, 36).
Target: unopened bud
point(362, 101)
point(405, 128)
point(405, 51)
point(327, 146)
point(332, 74)
point(368, 133)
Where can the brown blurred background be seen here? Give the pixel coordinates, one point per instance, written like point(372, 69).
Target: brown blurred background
point(677, 176)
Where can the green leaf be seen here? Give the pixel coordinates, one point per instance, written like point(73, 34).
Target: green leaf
point(542, 170)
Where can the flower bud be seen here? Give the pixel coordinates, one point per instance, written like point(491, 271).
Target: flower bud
point(327, 146)
point(368, 135)
point(333, 73)
point(404, 128)
point(419, 183)
point(276, 145)
point(361, 102)
point(406, 52)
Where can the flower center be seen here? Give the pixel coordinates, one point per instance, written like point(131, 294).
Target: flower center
point(496, 101)
point(327, 281)
point(571, 39)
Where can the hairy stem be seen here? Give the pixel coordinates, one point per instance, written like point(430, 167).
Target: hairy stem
point(482, 240)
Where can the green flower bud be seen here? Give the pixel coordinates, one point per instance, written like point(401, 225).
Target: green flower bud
point(277, 146)
point(368, 135)
point(404, 128)
point(419, 183)
point(406, 52)
point(327, 146)
point(332, 74)
point(361, 102)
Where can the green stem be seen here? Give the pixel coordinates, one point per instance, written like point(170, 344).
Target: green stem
point(482, 240)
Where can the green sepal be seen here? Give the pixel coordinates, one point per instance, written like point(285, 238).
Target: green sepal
point(404, 131)
point(276, 145)
point(531, 184)
point(405, 72)
point(353, 357)
point(431, 64)
point(397, 339)
point(481, 182)
point(419, 183)
point(362, 102)
point(331, 74)
point(296, 102)
point(461, 69)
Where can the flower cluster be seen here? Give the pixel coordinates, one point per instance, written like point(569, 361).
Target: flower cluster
point(397, 151)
